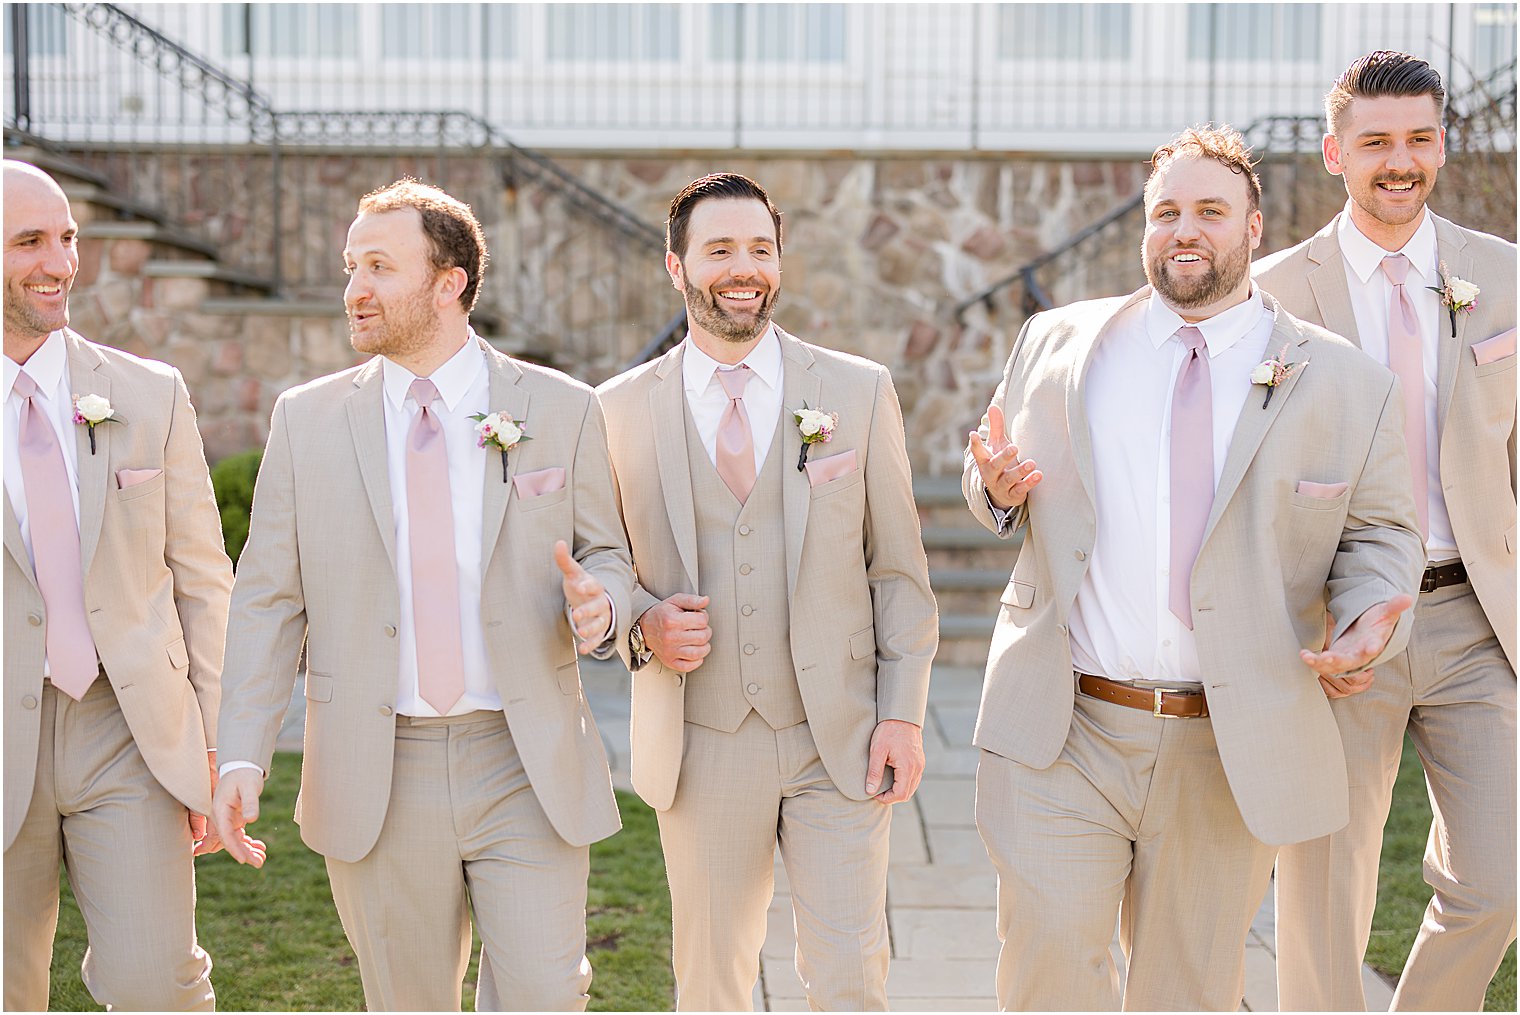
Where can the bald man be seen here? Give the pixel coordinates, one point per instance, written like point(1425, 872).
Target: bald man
point(116, 593)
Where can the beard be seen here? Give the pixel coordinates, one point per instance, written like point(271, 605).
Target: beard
point(23, 317)
point(406, 325)
point(1384, 206)
point(1226, 271)
point(715, 320)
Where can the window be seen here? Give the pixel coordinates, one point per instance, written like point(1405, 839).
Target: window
point(427, 30)
point(614, 32)
point(1493, 38)
point(291, 30)
point(46, 30)
point(777, 33)
point(1064, 32)
point(1277, 32)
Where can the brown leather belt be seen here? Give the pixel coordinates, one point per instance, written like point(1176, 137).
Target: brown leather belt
point(1438, 576)
point(1169, 703)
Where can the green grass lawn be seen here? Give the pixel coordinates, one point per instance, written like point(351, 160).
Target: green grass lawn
point(276, 943)
point(1402, 891)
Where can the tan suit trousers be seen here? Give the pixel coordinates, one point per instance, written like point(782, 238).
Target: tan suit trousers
point(126, 843)
point(1454, 691)
point(740, 795)
point(465, 832)
point(1134, 817)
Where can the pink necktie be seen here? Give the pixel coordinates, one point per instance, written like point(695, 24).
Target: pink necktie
point(435, 574)
point(1406, 357)
point(1192, 468)
point(736, 445)
point(72, 664)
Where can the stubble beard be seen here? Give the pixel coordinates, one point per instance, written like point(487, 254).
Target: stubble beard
point(1225, 273)
point(23, 319)
point(705, 312)
point(406, 326)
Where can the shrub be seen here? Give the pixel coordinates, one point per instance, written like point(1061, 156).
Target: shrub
point(232, 478)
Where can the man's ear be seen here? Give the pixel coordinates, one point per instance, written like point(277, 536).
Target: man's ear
point(1330, 148)
point(676, 270)
point(451, 284)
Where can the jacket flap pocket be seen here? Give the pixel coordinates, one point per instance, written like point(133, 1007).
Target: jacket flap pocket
point(863, 643)
point(319, 686)
point(178, 657)
point(1020, 594)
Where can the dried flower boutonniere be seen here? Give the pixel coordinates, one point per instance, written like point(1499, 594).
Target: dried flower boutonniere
point(499, 430)
point(1457, 295)
point(91, 411)
point(1272, 372)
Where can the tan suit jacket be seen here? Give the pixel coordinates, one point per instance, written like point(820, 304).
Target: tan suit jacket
point(319, 569)
point(156, 582)
point(1272, 560)
point(1476, 402)
point(864, 626)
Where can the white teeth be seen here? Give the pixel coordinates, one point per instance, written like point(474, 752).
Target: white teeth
point(1187, 258)
point(748, 294)
point(1398, 188)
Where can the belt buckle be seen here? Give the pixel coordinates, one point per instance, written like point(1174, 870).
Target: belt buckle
point(1428, 580)
point(1157, 692)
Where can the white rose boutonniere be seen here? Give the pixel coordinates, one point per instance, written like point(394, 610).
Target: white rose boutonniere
point(91, 411)
point(1272, 372)
point(816, 427)
point(1457, 295)
point(499, 430)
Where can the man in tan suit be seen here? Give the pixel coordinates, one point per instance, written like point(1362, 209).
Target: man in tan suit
point(1151, 726)
point(439, 573)
point(785, 625)
point(116, 589)
point(1454, 688)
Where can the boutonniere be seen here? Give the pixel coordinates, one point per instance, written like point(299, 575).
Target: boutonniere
point(1457, 294)
point(499, 430)
point(1272, 372)
point(816, 427)
point(91, 411)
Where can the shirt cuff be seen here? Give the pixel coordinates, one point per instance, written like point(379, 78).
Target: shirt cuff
point(233, 766)
point(1001, 515)
point(605, 647)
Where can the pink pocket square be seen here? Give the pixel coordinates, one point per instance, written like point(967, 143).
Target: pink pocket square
point(536, 484)
point(131, 477)
point(832, 467)
point(1324, 491)
point(1491, 350)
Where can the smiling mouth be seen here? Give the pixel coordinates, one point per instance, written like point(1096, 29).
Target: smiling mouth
point(1397, 186)
point(741, 295)
point(1187, 257)
point(44, 289)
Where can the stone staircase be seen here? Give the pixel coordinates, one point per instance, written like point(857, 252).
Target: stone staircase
point(968, 569)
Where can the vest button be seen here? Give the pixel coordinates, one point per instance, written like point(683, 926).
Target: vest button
point(745, 569)
point(29, 702)
point(749, 650)
point(745, 530)
point(1081, 554)
point(753, 688)
point(390, 630)
point(385, 710)
point(34, 620)
point(746, 609)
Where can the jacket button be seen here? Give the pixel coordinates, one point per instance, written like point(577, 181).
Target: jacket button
point(745, 530)
point(753, 688)
point(29, 702)
point(1081, 554)
point(746, 609)
point(680, 679)
point(390, 630)
point(34, 620)
point(745, 569)
point(749, 650)
point(386, 710)
point(1061, 628)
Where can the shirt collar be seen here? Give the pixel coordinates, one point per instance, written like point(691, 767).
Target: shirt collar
point(1220, 332)
point(453, 379)
point(697, 368)
point(45, 366)
point(1366, 257)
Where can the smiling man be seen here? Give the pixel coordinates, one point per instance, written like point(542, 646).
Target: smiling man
point(785, 625)
point(1151, 725)
point(440, 580)
point(1374, 275)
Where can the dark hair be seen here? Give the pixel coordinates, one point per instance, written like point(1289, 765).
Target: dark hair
point(455, 239)
point(713, 186)
point(1380, 73)
point(1223, 145)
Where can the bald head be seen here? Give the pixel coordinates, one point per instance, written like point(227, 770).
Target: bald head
point(41, 258)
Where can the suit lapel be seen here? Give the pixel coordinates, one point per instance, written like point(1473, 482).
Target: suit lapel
point(1254, 422)
point(87, 377)
point(800, 386)
point(1451, 248)
point(366, 421)
point(14, 544)
point(509, 396)
point(667, 412)
point(1327, 280)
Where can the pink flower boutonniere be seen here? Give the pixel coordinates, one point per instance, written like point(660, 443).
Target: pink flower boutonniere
point(91, 411)
point(1457, 295)
point(816, 427)
point(1272, 372)
point(499, 430)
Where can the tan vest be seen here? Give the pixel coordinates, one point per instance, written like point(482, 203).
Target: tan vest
point(741, 568)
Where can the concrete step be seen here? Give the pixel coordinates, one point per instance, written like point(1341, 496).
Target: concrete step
point(207, 271)
point(100, 195)
point(150, 232)
point(273, 306)
point(59, 166)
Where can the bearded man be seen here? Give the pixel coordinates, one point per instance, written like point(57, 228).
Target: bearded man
point(1198, 476)
point(440, 570)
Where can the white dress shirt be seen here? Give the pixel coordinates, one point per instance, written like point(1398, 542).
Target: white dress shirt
point(1371, 293)
point(707, 400)
point(49, 368)
point(1121, 625)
